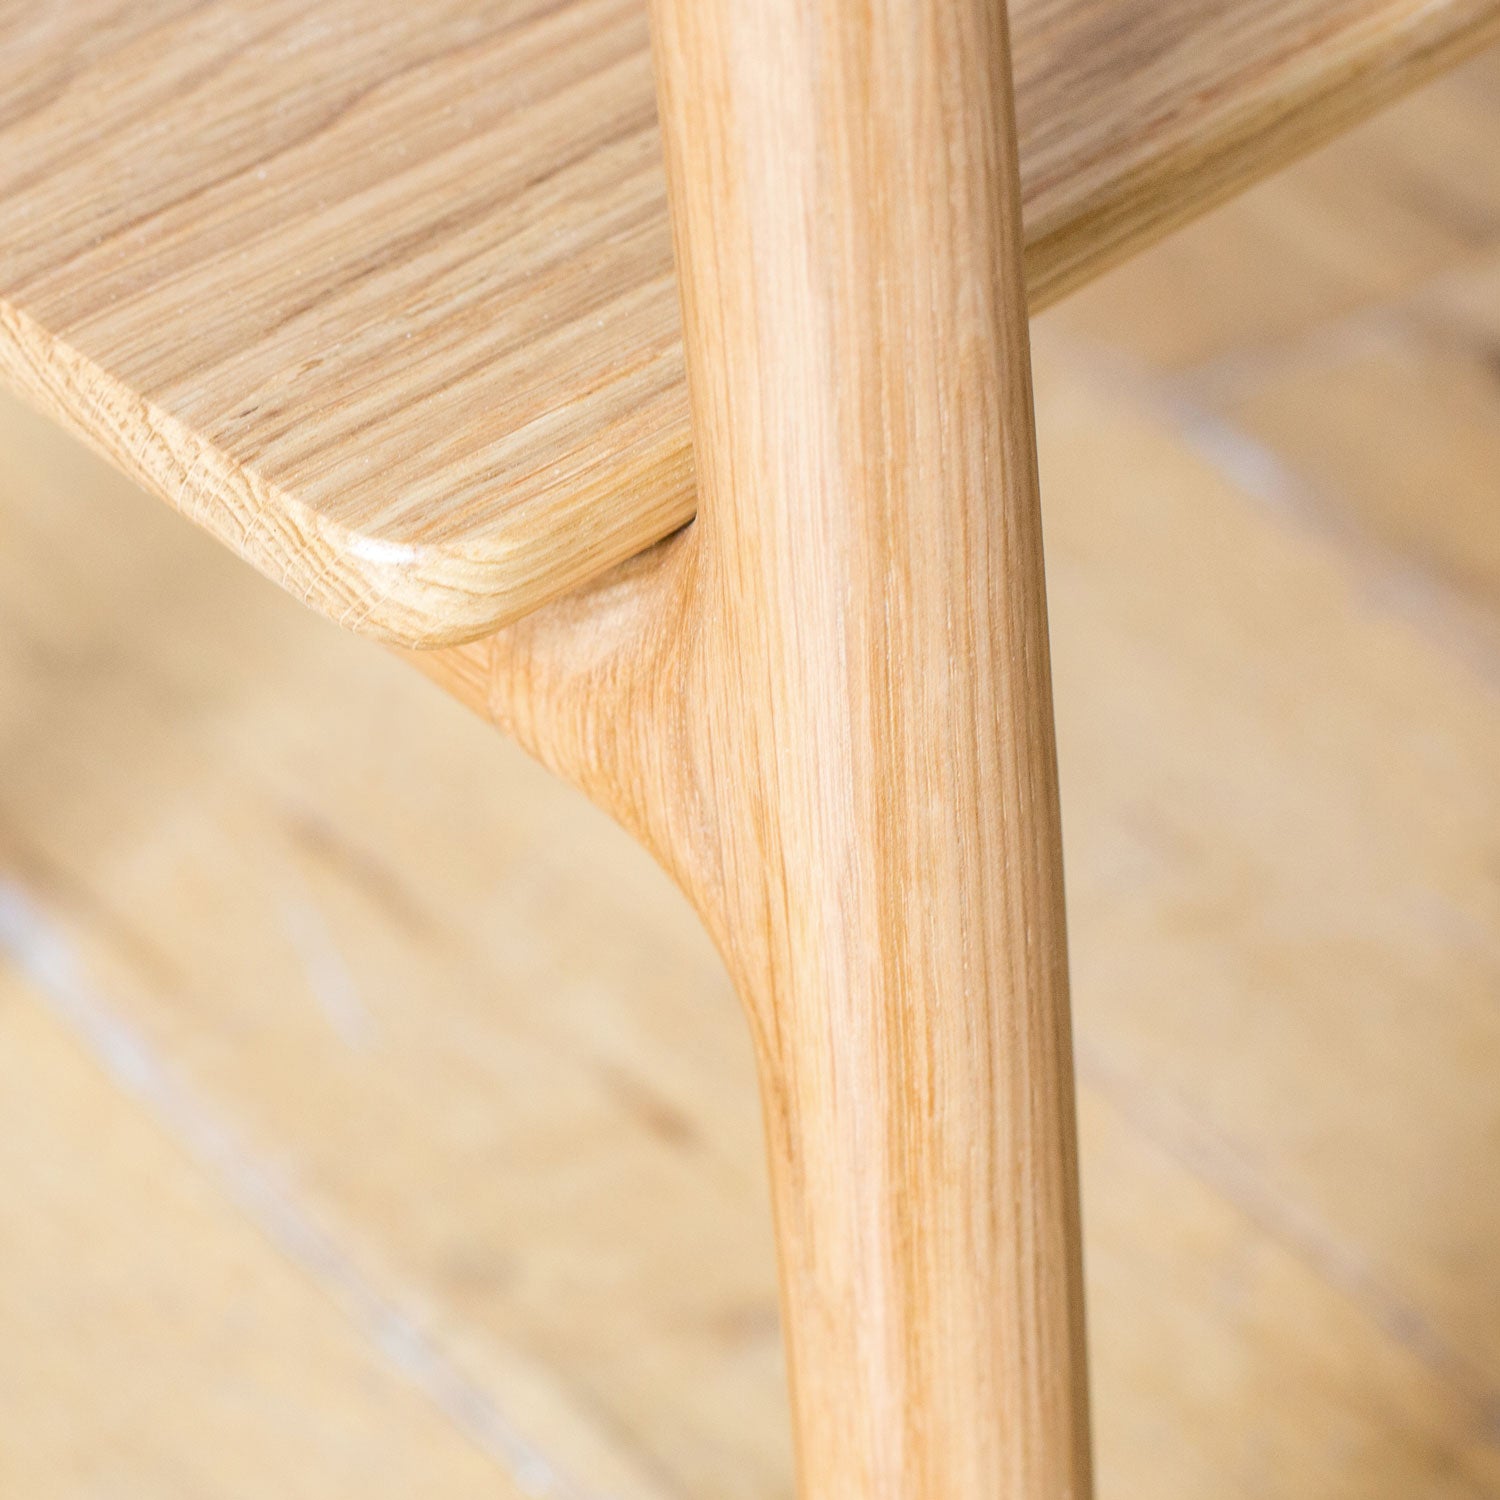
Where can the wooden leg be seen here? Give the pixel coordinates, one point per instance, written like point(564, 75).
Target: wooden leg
point(826, 706)
point(921, 1147)
point(873, 729)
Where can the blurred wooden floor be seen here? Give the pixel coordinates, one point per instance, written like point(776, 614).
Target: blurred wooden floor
point(375, 1121)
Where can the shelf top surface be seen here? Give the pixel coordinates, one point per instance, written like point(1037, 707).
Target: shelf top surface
point(382, 293)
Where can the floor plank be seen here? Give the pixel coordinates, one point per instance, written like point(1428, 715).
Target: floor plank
point(151, 1345)
point(1282, 820)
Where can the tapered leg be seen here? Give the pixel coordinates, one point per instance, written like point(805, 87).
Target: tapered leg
point(826, 707)
point(871, 726)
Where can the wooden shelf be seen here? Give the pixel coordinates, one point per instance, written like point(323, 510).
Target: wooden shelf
point(382, 293)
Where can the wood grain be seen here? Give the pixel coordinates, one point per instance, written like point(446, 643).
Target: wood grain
point(1411, 196)
point(827, 708)
point(213, 1366)
point(838, 731)
point(382, 295)
point(870, 737)
point(1284, 925)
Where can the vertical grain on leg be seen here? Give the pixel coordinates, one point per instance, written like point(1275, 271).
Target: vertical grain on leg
point(826, 707)
point(870, 725)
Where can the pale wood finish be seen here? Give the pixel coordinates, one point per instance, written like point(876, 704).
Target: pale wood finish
point(181, 1355)
point(1407, 202)
point(826, 707)
point(424, 363)
point(531, 1113)
point(866, 720)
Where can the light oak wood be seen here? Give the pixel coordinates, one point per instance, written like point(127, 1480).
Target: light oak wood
point(182, 1354)
point(827, 708)
point(1282, 915)
point(780, 654)
point(382, 294)
point(1406, 201)
point(868, 722)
